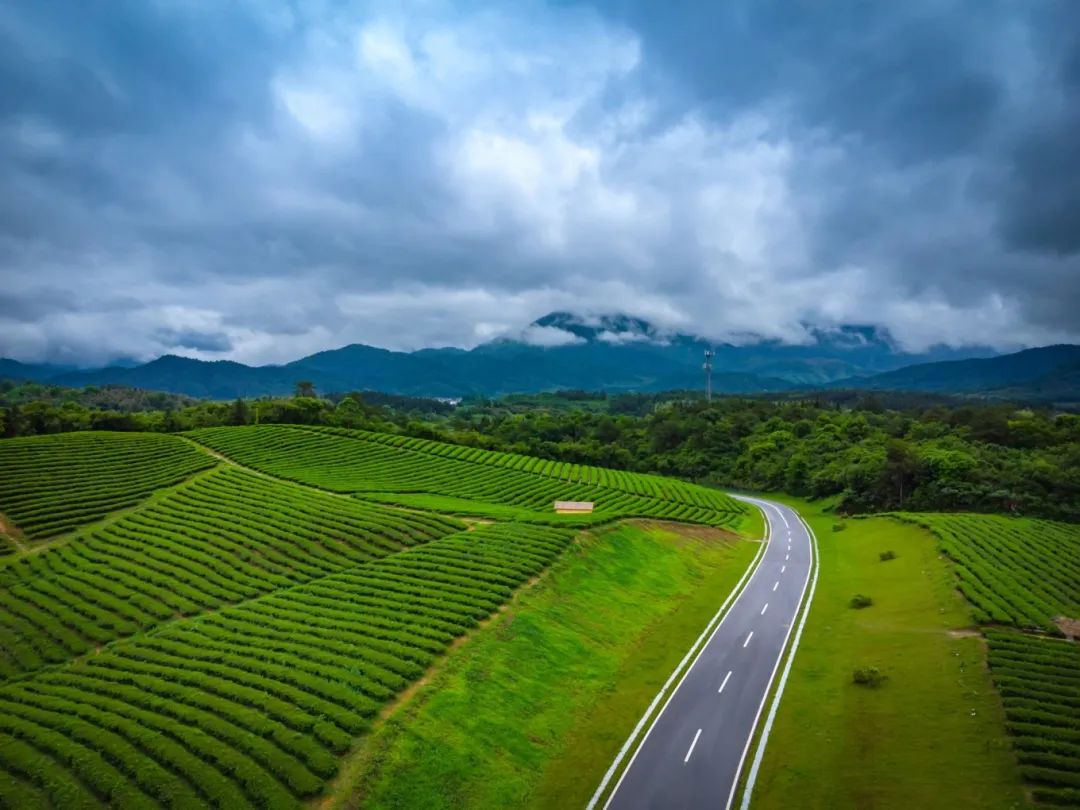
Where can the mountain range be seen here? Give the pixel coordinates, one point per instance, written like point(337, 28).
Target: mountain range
point(613, 353)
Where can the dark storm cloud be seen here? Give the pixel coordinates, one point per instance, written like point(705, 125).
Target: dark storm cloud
point(263, 179)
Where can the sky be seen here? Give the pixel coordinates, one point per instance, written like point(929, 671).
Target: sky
point(257, 180)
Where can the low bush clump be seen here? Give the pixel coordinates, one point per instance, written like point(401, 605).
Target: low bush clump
point(860, 600)
point(887, 555)
point(868, 676)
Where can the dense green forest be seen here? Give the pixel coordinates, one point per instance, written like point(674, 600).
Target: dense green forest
point(918, 457)
point(877, 451)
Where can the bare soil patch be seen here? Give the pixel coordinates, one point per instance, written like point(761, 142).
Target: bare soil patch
point(1070, 627)
point(964, 632)
point(12, 533)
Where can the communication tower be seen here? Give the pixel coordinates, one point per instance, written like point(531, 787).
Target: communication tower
point(708, 374)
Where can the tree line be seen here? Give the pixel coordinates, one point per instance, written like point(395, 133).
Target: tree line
point(874, 452)
point(924, 457)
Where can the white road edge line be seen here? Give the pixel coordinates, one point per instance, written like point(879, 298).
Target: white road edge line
point(721, 614)
point(748, 639)
point(726, 677)
point(689, 752)
point(811, 581)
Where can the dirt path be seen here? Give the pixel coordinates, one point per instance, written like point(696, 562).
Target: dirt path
point(10, 532)
point(965, 632)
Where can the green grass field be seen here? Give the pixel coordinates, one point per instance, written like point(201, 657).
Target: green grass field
point(933, 735)
point(531, 712)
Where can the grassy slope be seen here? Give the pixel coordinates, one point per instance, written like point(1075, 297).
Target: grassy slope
point(531, 711)
point(933, 735)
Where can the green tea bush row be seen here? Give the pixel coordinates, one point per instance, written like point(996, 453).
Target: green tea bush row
point(1039, 682)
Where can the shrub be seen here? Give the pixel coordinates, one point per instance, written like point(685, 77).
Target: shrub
point(860, 600)
point(868, 676)
point(887, 555)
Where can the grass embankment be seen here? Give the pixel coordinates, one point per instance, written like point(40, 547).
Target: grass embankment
point(932, 735)
point(531, 711)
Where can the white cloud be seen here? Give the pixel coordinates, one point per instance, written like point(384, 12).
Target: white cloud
point(619, 338)
point(549, 336)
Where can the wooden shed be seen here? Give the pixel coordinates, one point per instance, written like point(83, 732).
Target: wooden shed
point(573, 507)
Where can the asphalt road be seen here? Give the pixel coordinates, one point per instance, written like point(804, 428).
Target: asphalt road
point(692, 753)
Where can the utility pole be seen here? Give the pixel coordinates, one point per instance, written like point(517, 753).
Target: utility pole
point(708, 374)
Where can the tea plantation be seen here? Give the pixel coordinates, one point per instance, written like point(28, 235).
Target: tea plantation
point(183, 630)
point(1025, 574)
point(418, 472)
point(53, 484)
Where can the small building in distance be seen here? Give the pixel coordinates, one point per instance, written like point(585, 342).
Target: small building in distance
point(573, 507)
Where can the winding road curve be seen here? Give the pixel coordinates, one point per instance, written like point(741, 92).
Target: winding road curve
point(694, 750)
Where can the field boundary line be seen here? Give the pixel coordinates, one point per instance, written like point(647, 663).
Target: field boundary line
point(759, 753)
point(683, 667)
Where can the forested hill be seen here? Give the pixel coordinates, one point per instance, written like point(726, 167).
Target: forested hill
point(1049, 372)
point(993, 458)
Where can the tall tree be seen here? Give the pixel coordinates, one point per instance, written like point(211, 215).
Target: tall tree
point(305, 388)
point(239, 414)
point(899, 473)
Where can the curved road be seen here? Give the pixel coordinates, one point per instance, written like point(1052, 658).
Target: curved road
point(692, 753)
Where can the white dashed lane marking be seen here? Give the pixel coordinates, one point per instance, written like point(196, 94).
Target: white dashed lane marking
point(691, 750)
point(726, 677)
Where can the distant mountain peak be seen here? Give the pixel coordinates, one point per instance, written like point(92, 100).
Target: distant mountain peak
point(614, 328)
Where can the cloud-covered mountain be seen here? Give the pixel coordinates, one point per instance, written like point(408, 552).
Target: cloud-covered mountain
point(560, 350)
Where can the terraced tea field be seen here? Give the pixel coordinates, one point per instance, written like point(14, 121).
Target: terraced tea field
point(1026, 574)
point(250, 706)
point(181, 631)
point(1039, 681)
point(1013, 570)
point(225, 537)
point(417, 472)
point(54, 484)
